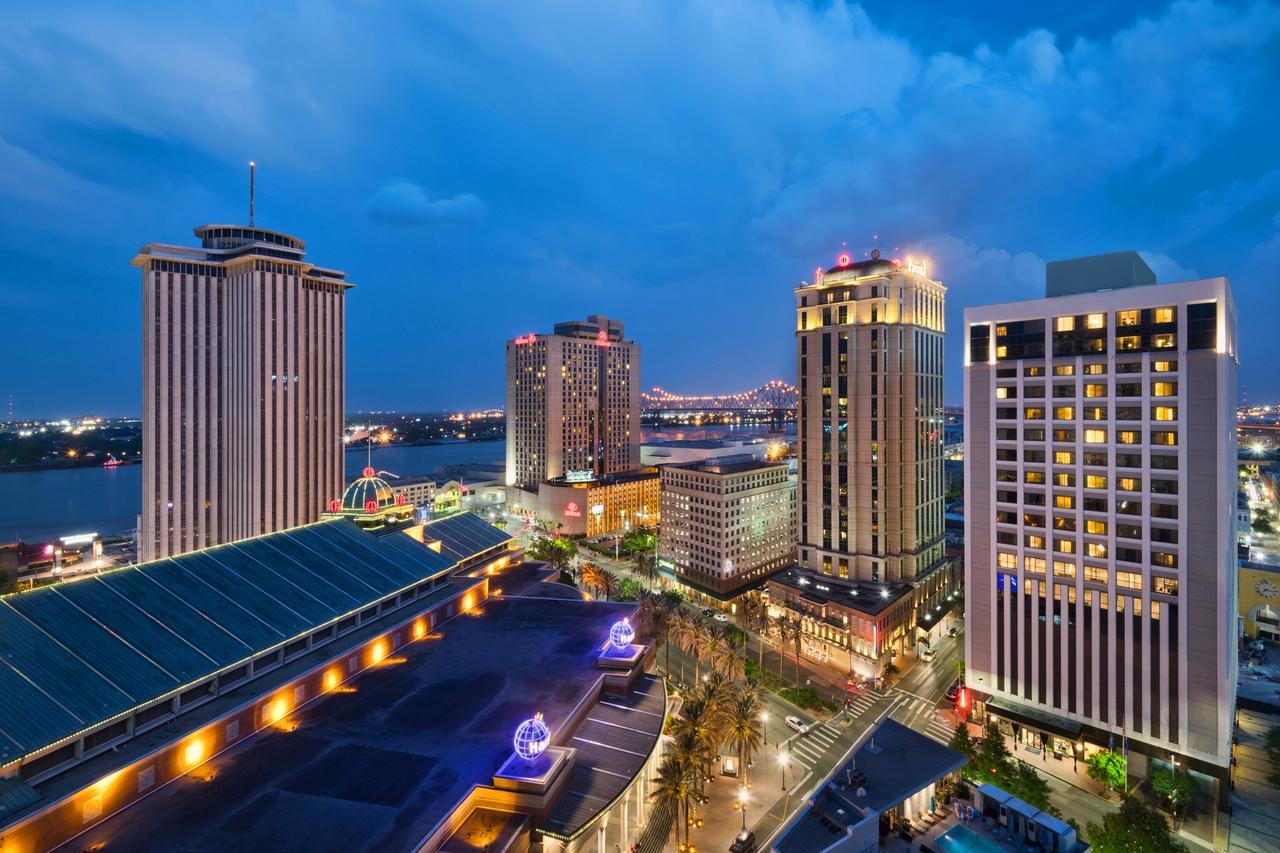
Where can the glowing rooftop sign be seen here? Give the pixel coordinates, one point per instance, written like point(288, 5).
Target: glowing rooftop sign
point(602, 339)
point(919, 266)
point(525, 340)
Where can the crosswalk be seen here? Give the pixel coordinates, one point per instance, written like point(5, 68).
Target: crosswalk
point(934, 721)
point(805, 751)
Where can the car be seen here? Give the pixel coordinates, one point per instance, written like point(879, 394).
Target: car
point(798, 725)
point(953, 692)
point(953, 632)
point(721, 617)
point(927, 654)
point(708, 612)
point(744, 843)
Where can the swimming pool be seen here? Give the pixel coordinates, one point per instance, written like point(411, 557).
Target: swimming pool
point(962, 839)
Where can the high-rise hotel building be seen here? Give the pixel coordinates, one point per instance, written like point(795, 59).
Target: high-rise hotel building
point(1100, 494)
point(243, 394)
point(869, 339)
point(573, 404)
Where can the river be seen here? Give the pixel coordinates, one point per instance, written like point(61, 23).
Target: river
point(41, 505)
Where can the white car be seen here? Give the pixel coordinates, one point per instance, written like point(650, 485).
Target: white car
point(721, 617)
point(798, 724)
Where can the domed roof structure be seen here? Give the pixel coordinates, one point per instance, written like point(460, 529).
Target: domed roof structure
point(370, 493)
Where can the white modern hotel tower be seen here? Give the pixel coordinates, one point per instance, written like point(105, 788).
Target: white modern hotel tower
point(1100, 492)
point(242, 388)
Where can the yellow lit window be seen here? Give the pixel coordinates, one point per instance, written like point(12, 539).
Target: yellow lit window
point(1033, 371)
point(1033, 413)
point(1163, 389)
point(1163, 315)
point(1036, 477)
point(1095, 574)
point(1098, 528)
point(1035, 542)
point(1095, 481)
point(1095, 390)
point(1065, 480)
point(1063, 569)
point(1163, 366)
point(1127, 436)
point(1064, 413)
point(1155, 610)
point(1128, 484)
point(1165, 341)
point(1129, 580)
point(1064, 501)
point(1095, 369)
point(1096, 321)
point(1063, 457)
point(1126, 318)
point(1168, 561)
point(1006, 561)
point(1164, 586)
point(1096, 549)
point(1128, 343)
point(1168, 439)
point(1064, 370)
point(1064, 324)
point(1095, 436)
point(1002, 351)
point(1002, 393)
point(1095, 413)
point(1001, 331)
point(1165, 413)
point(1064, 546)
point(1034, 564)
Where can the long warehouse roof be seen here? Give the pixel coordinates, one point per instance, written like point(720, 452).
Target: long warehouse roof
point(76, 654)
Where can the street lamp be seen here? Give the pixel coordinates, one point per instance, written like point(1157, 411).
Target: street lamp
point(782, 763)
point(764, 726)
point(742, 804)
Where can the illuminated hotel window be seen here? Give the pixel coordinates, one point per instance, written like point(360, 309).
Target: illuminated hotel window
point(1096, 321)
point(1163, 366)
point(1169, 439)
point(1006, 561)
point(1165, 341)
point(1002, 352)
point(1097, 369)
point(1033, 371)
point(1095, 413)
point(1095, 574)
point(1063, 457)
point(1063, 569)
point(1064, 501)
point(1065, 480)
point(1064, 370)
point(1036, 477)
point(1164, 586)
point(1164, 413)
point(1162, 315)
point(1034, 565)
point(1126, 318)
point(1095, 390)
point(1064, 324)
point(1002, 393)
point(1095, 481)
point(1165, 561)
point(1064, 413)
point(1096, 549)
point(1164, 389)
point(1129, 580)
point(1126, 436)
point(1128, 484)
point(1095, 436)
point(1128, 343)
point(1033, 413)
point(1098, 528)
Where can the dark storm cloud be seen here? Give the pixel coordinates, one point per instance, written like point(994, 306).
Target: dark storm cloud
point(483, 170)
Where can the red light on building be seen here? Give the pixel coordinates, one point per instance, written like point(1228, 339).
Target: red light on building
point(335, 505)
point(370, 506)
point(525, 340)
point(401, 500)
point(962, 701)
point(843, 260)
point(602, 338)
point(571, 510)
point(368, 472)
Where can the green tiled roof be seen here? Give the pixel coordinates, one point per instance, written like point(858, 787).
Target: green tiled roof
point(76, 654)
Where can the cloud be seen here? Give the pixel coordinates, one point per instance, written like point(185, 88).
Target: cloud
point(1166, 268)
point(405, 203)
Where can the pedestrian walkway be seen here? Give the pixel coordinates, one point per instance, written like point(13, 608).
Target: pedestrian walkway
point(805, 751)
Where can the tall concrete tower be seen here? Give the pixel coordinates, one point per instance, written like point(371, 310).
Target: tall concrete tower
point(243, 388)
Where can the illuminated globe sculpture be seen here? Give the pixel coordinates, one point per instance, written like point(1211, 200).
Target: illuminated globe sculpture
point(621, 634)
point(532, 738)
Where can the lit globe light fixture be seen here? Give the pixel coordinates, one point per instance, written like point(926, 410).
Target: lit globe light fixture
point(621, 634)
point(532, 738)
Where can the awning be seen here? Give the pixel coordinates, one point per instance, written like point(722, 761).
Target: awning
point(1034, 719)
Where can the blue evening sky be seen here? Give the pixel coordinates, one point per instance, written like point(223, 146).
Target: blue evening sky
point(484, 169)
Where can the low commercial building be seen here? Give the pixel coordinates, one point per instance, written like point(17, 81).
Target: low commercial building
point(596, 506)
point(727, 523)
point(1259, 597)
point(326, 687)
point(861, 623)
point(891, 781)
point(683, 451)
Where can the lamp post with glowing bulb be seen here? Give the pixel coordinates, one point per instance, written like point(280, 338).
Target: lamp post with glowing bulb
point(764, 726)
point(742, 804)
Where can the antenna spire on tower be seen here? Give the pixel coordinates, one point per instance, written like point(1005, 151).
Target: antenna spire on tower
point(251, 167)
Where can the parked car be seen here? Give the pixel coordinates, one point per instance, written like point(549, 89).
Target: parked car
point(953, 692)
point(951, 632)
point(708, 612)
point(721, 617)
point(744, 843)
point(798, 725)
point(927, 654)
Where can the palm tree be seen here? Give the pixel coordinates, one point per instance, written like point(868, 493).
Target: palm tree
point(790, 630)
point(684, 632)
point(589, 576)
point(696, 638)
point(744, 729)
point(762, 622)
point(657, 617)
point(608, 583)
point(797, 634)
point(673, 787)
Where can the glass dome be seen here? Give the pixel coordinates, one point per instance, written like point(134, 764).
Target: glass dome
point(532, 738)
point(370, 493)
point(621, 634)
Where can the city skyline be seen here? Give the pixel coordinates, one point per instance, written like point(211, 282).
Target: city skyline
point(685, 202)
